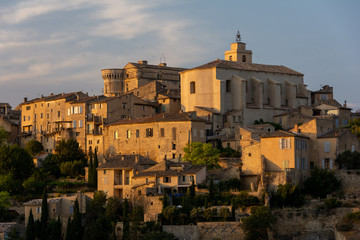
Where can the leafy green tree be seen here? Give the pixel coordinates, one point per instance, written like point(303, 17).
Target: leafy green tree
point(256, 225)
point(165, 201)
point(287, 195)
point(44, 215)
point(114, 209)
point(9, 183)
point(4, 204)
point(321, 182)
point(34, 147)
point(15, 160)
point(348, 160)
point(198, 153)
point(30, 235)
point(224, 213)
point(3, 135)
point(36, 182)
point(69, 151)
point(210, 213)
point(354, 126)
point(169, 213)
point(196, 213)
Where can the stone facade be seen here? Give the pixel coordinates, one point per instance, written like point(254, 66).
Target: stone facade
point(254, 90)
point(135, 75)
point(161, 137)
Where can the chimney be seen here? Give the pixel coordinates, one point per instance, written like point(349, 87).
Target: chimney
point(345, 105)
point(162, 64)
point(51, 94)
point(42, 96)
point(25, 99)
point(143, 62)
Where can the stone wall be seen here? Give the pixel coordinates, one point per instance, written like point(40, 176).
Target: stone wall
point(207, 231)
point(350, 183)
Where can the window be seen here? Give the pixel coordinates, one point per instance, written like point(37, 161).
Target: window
point(128, 133)
point(38, 209)
point(41, 115)
point(149, 132)
point(47, 115)
point(74, 124)
point(173, 133)
point(312, 165)
point(116, 135)
point(144, 108)
point(244, 58)
point(69, 112)
point(303, 144)
point(137, 133)
point(228, 86)
point(159, 76)
point(28, 118)
point(191, 178)
point(162, 132)
point(71, 209)
point(183, 178)
point(167, 180)
point(80, 109)
point(327, 163)
point(28, 108)
point(192, 87)
point(297, 162)
point(24, 118)
point(326, 146)
point(58, 113)
point(173, 156)
point(124, 106)
point(285, 143)
point(173, 146)
point(80, 123)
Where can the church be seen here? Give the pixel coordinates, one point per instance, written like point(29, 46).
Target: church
point(236, 91)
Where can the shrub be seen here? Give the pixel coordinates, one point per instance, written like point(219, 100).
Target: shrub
point(321, 183)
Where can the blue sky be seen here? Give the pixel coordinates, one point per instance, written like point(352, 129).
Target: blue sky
point(62, 45)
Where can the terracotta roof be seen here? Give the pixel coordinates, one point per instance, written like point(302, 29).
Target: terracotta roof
point(125, 161)
point(163, 117)
point(331, 102)
point(67, 96)
point(208, 109)
point(249, 67)
point(334, 133)
point(170, 168)
point(281, 133)
point(5, 226)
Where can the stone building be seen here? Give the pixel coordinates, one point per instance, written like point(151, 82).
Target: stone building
point(115, 176)
point(78, 116)
point(10, 122)
point(134, 75)
point(62, 207)
point(326, 142)
point(247, 90)
point(160, 137)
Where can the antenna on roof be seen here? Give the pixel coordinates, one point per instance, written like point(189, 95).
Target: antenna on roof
point(238, 37)
point(162, 58)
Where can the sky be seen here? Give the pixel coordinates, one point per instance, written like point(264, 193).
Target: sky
point(55, 46)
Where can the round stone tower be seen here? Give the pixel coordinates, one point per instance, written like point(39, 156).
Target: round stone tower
point(113, 81)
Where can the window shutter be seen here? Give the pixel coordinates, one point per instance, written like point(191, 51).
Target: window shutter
point(331, 164)
point(297, 162)
point(306, 163)
point(323, 164)
point(280, 146)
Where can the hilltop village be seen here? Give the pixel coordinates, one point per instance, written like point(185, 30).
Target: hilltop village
point(200, 153)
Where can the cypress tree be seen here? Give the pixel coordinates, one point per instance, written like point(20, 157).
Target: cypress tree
point(68, 230)
point(30, 227)
point(44, 216)
point(126, 224)
point(76, 226)
point(96, 164)
point(90, 170)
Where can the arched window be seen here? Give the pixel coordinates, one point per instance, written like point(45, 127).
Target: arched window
point(228, 86)
point(192, 87)
point(244, 58)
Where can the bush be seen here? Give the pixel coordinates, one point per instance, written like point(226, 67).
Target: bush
point(287, 195)
point(255, 226)
point(321, 183)
point(332, 203)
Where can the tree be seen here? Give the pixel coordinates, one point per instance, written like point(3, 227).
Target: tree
point(159, 236)
point(224, 213)
point(77, 230)
point(34, 147)
point(54, 229)
point(125, 219)
point(96, 164)
point(35, 183)
point(354, 125)
point(169, 213)
point(44, 216)
point(4, 204)
point(196, 213)
point(256, 225)
point(321, 182)
point(202, 154)
point(15, 160)
point(212, 190)
point(287, 195)
point(13, 234)
point(348, 160)
point(90, 170)
point(9, 183)
point(30, 227)
point(3, 135)
point(209, 213)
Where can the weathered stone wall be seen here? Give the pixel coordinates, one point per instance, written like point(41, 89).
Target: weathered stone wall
point(207, 231)
point(350, 183)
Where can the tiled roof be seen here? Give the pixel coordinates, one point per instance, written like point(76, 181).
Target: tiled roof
point(208, 109)
point(125, 161)
point(37, 202)
point(333, 133)
point(67, 96)
point(169, 168)
point(139, 65)
point(169, 93)
point(163, 117)
point(4, 105)
point(249, 67)
point(331, 102)
point(4, 226)
point(281, 133)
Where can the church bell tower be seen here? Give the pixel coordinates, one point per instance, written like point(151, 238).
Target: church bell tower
point(238, 52)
